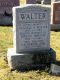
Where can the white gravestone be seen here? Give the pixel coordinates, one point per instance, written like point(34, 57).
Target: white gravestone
point(31, 29)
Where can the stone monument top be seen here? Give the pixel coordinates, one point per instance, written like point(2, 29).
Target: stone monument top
point(32, 28)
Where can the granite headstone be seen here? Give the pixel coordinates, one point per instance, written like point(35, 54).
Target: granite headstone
point(46, 1)
point(6, 11)
point(30, 1)
point(31, 29)
point(33, 1)
point(55, 69)
point(55, 18)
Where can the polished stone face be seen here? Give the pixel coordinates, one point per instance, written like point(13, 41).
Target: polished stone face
point(31, 28)
point(6, 5)
point(56, 13)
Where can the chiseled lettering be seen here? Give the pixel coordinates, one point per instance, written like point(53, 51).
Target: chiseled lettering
point(22, 16)
point(32, 16)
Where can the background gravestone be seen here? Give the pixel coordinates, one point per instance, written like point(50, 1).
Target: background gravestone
point(33, 1)
point(46, 1)
point(54, 0)
point(6, 11)
point(55, 18)
point(31, 29)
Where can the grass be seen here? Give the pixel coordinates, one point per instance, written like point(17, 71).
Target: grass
point(55, 43)
point(6, 41)
point(5, 38)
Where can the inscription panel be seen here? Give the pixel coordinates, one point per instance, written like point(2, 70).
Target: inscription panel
point(32, 29)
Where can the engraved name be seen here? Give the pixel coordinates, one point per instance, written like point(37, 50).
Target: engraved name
point(33, 16)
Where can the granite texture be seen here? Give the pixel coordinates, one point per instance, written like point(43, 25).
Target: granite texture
point(30, 60)
point(55, 69)
point(31, 28)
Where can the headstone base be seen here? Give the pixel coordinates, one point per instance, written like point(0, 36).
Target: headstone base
point(55, 27)
point(31, 60)
point(5, 20)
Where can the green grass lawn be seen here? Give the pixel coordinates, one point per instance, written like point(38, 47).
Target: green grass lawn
point(6, 41)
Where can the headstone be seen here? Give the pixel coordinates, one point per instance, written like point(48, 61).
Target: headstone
point(54, 1)
point(33, 1)
point(55, 18)
point(31, 28)
point(55, 69)
point(6, 11)
point(38, 1)
point(46, 1)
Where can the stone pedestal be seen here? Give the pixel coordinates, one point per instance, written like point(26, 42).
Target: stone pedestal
point(30, 60)
point(55, 68)
point(5, 20)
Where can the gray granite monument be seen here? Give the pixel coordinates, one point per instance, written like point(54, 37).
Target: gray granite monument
point(6, 11)
point(31, 29)
point(55, 69)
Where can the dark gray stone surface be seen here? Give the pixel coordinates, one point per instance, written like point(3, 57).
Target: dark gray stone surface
point(6, 11)
point(33, 1)
point(30, 60)
point(6, 5)
point(5, 20)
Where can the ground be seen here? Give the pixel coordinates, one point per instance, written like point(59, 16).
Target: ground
point(6, 41)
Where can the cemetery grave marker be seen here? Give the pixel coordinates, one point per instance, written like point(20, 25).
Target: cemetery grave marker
point(55, 18)
point(31, 29)
point(33, 1)
point(46, 1)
